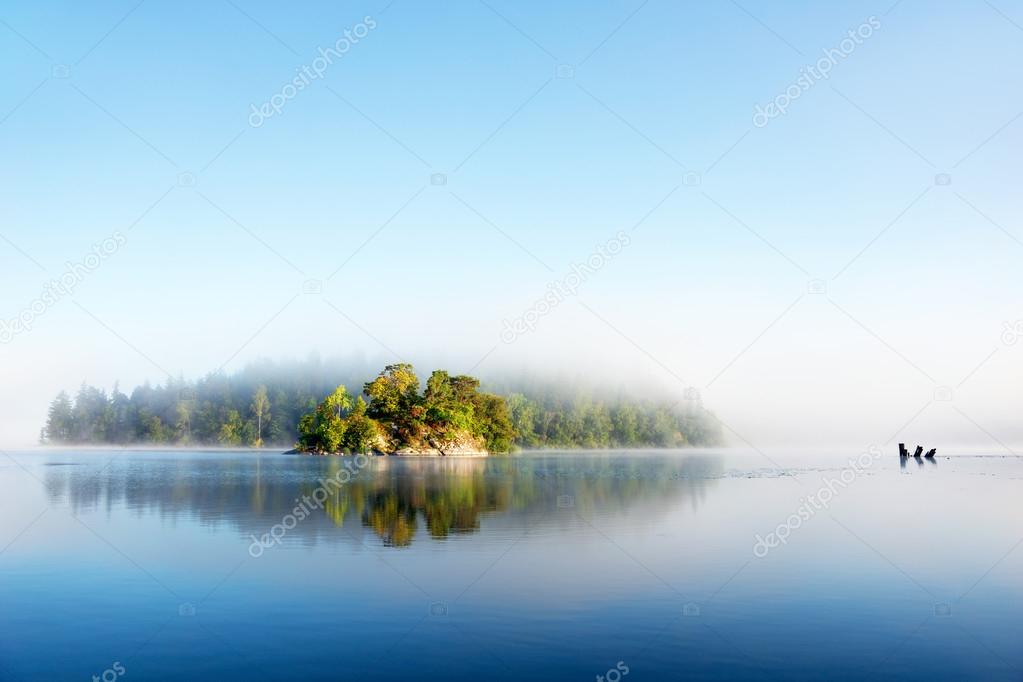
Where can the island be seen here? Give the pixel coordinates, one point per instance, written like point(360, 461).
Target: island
point(451, 418)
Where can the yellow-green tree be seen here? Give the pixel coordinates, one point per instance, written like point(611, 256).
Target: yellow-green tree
point(261, 410)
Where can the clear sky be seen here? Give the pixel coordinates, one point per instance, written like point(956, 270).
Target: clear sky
point(819, 274)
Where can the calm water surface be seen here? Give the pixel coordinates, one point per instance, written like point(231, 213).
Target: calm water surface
point(197, 565)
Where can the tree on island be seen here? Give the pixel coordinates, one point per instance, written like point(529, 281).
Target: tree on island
point(395, 402)
point(339, 401)
point(261, 409)
point(338, 424)
point(60, 423)
point(451, 412)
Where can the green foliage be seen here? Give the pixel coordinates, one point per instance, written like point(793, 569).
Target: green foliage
point(60, 425)
point(556, 417)
point(329, 429)
point(361, 434)
point(394, 401)
point(231, 431)
point(493, 422)
point(181, 412)
point(183, 423)
point(524, 416)
point(360, 406)
point(451, 409)
point(393, 393)
point(332, 432)
point(281, 405)
point(261, 411)
point(448, 409)
point(152, 429)
point(339, 401)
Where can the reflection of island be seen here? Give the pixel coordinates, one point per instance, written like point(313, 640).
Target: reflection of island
point(394, 499)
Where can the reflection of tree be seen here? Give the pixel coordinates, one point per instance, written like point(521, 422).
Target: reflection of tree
point(391, 517)
point(449, 495)
point(391, 496)
point(336, 507)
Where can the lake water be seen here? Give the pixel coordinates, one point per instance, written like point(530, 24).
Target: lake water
point(631, 566)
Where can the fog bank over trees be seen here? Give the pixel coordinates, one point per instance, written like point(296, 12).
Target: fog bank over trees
point(263, 403)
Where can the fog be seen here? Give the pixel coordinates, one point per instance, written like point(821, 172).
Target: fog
point(623, 215)
point(849, 369)
point(801, 384)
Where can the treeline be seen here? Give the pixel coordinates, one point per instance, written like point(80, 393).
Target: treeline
point(582, 421)
point(215, 410)
point(264, 403)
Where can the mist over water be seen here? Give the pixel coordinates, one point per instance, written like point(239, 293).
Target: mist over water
point(771, 408)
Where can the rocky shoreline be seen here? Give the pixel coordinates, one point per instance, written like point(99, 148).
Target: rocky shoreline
point(464, 447)
point(435, 452)
point(404, 452)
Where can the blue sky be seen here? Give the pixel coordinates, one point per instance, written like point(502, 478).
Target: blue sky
point(554, 126)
